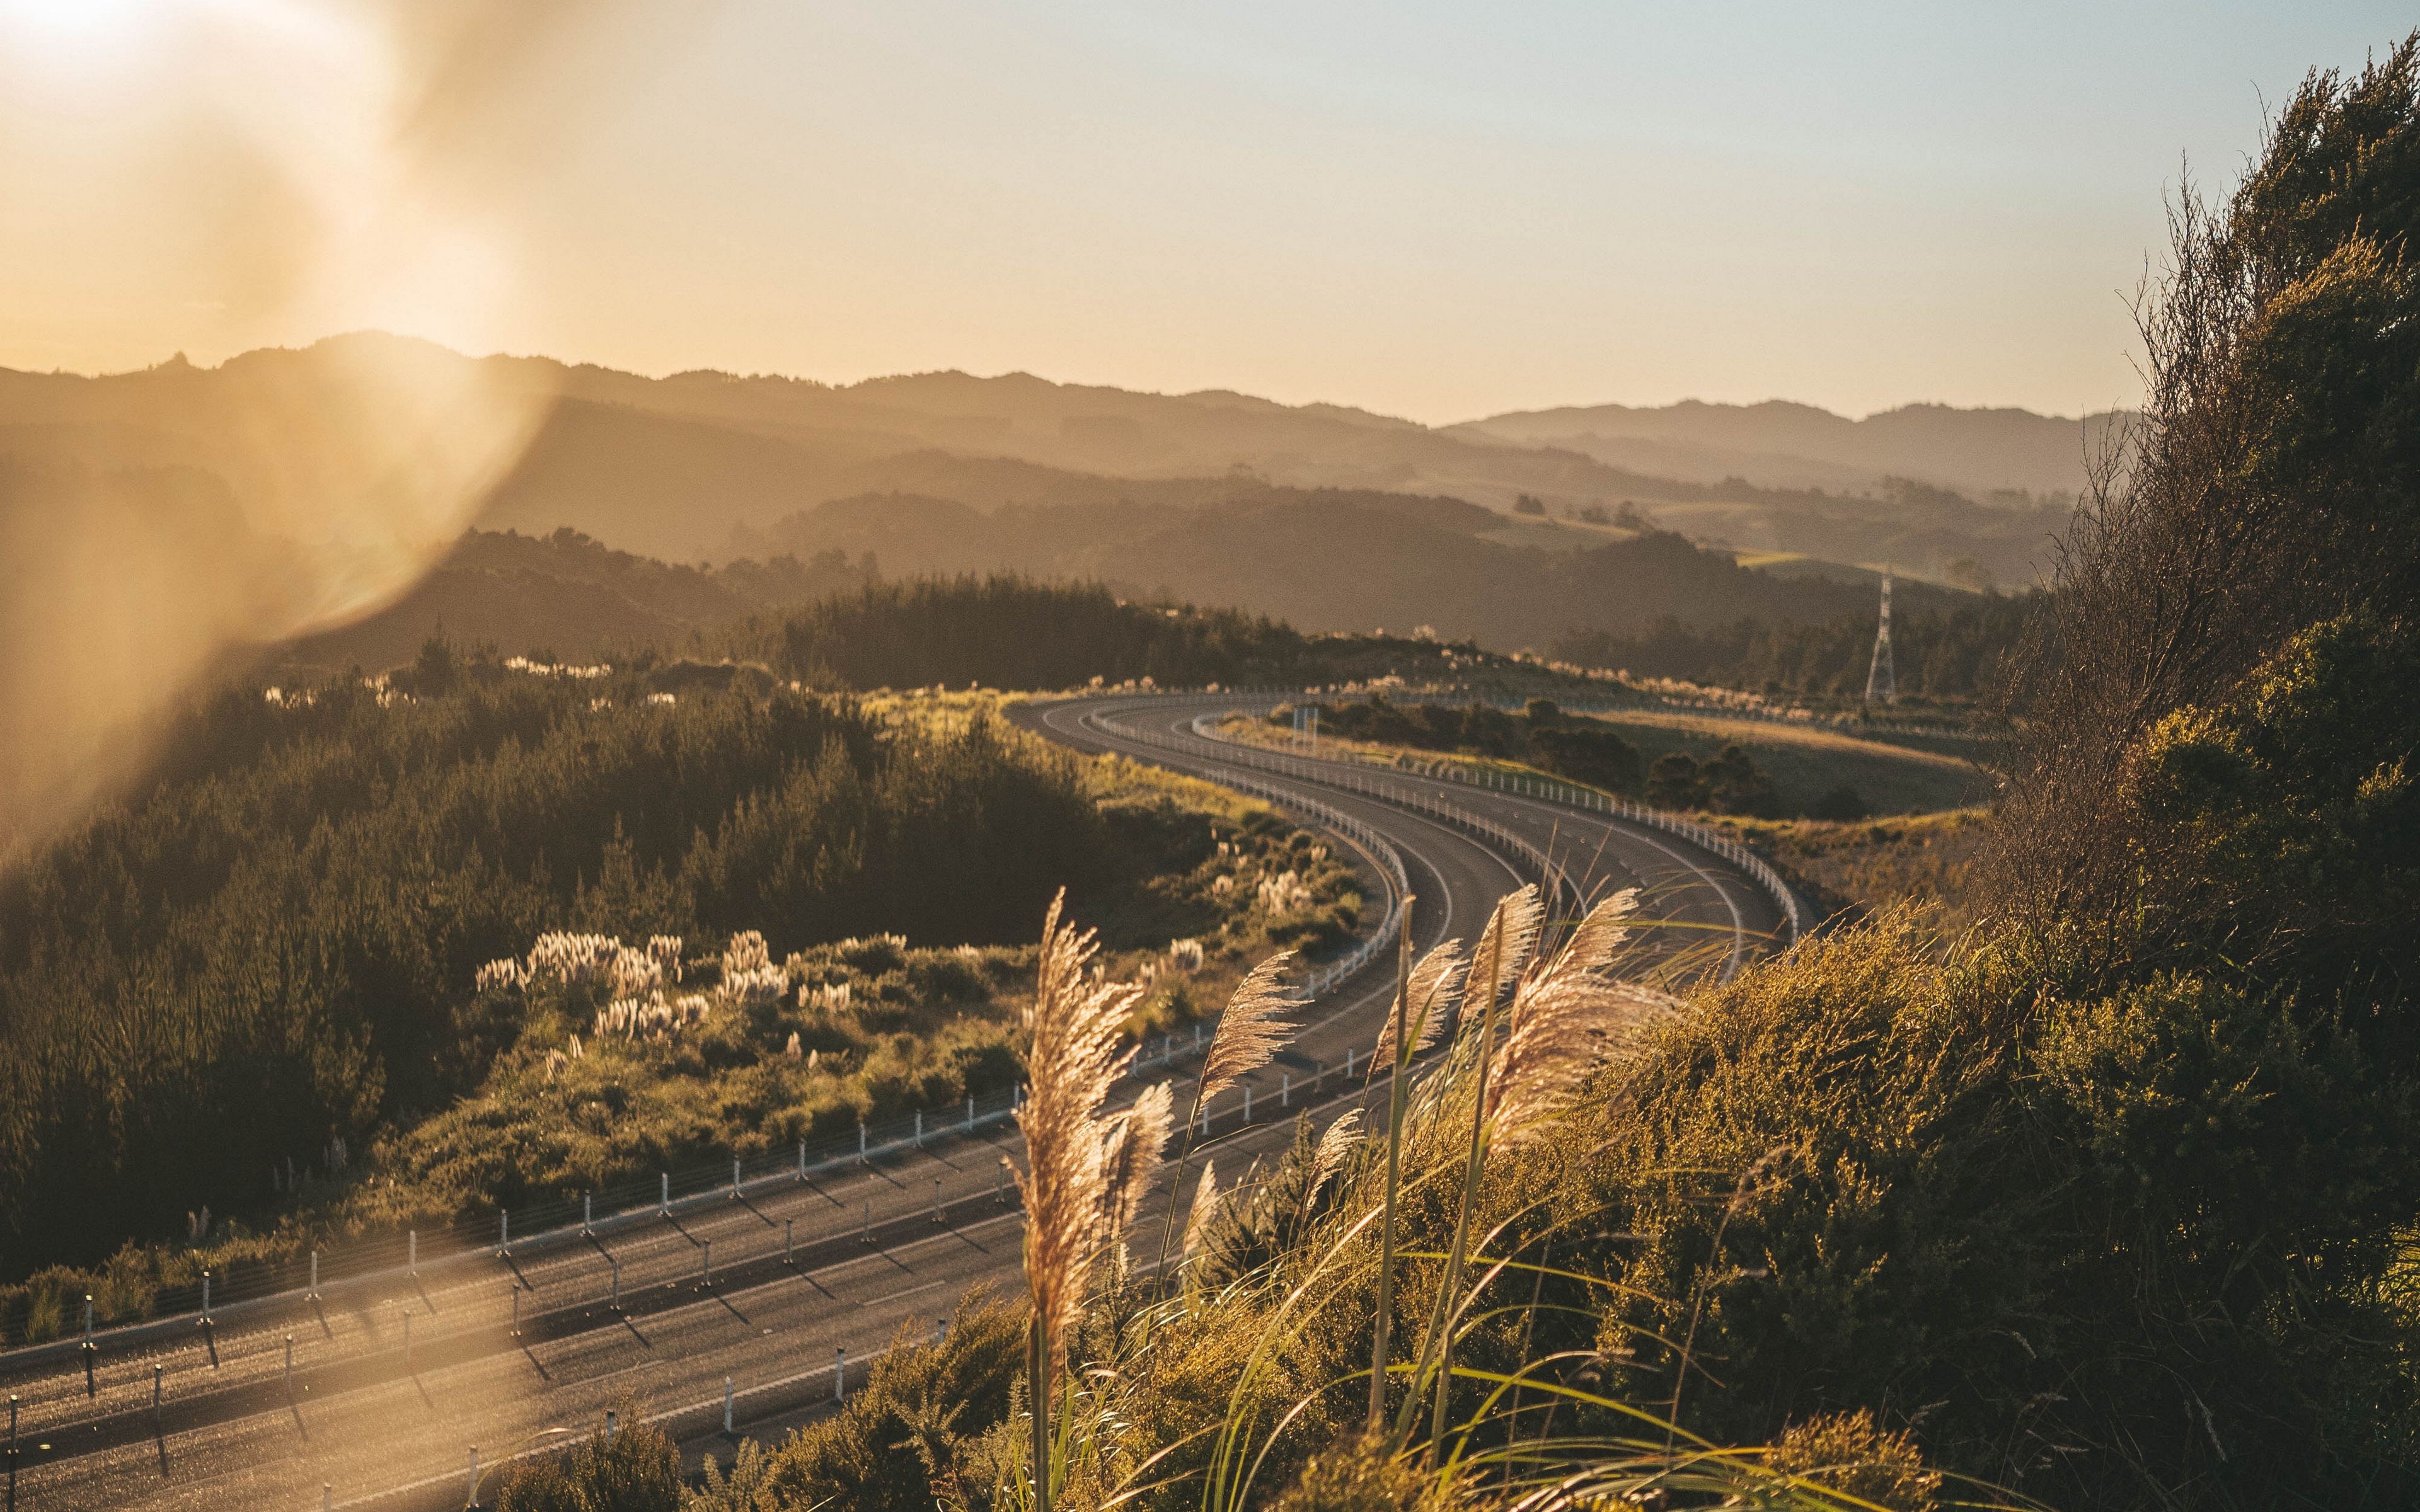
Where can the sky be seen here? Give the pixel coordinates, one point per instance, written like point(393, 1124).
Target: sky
point(1435, 210)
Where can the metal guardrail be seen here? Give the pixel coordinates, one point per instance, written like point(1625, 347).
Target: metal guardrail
point(1316, 769)
point(1536, 858)
point(1572, 796)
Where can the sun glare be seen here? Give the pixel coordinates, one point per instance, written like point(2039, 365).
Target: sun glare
point(74, 18)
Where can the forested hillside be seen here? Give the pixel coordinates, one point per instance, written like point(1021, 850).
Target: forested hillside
point(564, 595)
point(273, 942)
point(1341, 561)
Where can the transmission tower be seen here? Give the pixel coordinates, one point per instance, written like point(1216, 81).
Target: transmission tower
point(1881, 681)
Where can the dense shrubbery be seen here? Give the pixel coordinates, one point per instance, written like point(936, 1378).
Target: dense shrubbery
point(1726, 782)
point(1729, 781)
point(1474, 727)
point(297, 906)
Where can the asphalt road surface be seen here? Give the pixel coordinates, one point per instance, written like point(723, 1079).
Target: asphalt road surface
point(395, 1379)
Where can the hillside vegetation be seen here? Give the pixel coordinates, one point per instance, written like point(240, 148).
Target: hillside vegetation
point(1337, 559)
point(564, 597)
point(300, 899)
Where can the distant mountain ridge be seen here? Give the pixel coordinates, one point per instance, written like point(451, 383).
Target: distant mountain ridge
point(1781, 444)
point(684, 468)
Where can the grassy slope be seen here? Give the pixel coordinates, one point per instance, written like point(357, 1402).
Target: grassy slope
point(1807, 763)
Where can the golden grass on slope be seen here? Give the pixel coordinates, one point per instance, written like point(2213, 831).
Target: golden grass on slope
point(1804, 763)
point(1807, 763)
point(1923, 859)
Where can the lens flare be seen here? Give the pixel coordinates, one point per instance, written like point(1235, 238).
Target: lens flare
point(155, 525)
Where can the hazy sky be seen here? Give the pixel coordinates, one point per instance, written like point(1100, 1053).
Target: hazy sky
point(1437, 210)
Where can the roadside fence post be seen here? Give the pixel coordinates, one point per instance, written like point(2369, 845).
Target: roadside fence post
point(706, 1265)
point(734, 1177)
point(785, 1239)
point(920, 1128)
point(471, 1496)
point(411, 1251)
point(936, 1199)
point(612, 1423)
point(802, 1160)
point(314, 1295)
point(839, 1376)
point(865, 1234)
point(726, 1407)
point(861, 1141)
point(587, 1211)
point(663, 1194)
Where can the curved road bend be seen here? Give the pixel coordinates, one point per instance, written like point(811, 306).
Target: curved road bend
point(1687, 886)
point(389, 1432)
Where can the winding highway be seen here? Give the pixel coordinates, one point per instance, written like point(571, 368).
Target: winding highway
point(380, 1392)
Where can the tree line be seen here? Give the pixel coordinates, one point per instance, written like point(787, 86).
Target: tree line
point(1006, 631)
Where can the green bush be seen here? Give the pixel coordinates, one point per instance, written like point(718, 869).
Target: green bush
point(638, 1472)
point(906, 1440)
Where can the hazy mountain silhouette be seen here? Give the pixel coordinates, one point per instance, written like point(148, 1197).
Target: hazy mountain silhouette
point(1333, 560)
point(1777, 444)
point(698, 466)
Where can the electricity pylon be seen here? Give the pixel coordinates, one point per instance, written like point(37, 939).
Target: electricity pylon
point(1882, 680)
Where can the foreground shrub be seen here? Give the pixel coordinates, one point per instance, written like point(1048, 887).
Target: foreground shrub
point(638, 1472)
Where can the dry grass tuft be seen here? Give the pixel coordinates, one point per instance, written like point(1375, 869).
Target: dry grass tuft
point(1335, 1148)
point(1567, 1017)
point(1137, 1139)
point(1076, 1026)
point(1511, 935)
point(1432, 984)
point(1249, 1032)
point(1205, 1205)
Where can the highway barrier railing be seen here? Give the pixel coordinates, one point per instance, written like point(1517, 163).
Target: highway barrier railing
point(1356, 778)
point(1549, 790)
